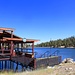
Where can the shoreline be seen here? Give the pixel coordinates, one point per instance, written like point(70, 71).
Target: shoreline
point(53, 47)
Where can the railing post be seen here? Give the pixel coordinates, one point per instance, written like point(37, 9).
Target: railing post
point(12, 43)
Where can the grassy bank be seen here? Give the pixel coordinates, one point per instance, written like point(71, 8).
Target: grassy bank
point(61, 69)
point(36, 72)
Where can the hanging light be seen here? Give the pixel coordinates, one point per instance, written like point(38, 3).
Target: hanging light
point(24, 39)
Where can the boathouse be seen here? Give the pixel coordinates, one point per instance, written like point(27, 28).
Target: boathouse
point(15, 49)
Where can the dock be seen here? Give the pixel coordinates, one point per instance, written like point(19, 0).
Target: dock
point(14, 49)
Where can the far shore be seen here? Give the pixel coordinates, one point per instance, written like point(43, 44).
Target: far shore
point(54, 47)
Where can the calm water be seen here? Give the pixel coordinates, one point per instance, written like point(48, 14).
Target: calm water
point(64, 52)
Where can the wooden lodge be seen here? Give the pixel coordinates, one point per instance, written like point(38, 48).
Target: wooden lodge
point(15, 49)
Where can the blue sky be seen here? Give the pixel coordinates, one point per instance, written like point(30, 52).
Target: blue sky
point(39, 19)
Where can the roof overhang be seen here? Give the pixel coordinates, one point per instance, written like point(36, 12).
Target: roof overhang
point(7, 29)
point(11, 39)
point(32, 40)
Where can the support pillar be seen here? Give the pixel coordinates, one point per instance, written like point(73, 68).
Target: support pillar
point(34, 64)
point(2, 47)
point(12, 43)
point(21, 47)
point(5, 64)
point(33, 48)
point(10, 64)
point(2, 65)
point(18, 47)
point(17, 67)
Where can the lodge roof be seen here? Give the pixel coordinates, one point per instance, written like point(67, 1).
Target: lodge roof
point(33, 40)
point(6, 36)
point(7, 29)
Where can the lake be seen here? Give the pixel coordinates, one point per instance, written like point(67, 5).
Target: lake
point(64, 52)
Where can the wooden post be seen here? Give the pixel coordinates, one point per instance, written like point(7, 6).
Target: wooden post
point(11, 43)
point(22, 67)
point(34, 63)
point(21, 47)
point(13, 66)
point(17, 66)
point(2, 47)
point(5, 64)
point(33, 48)
point(2, 65)
point(10, 64)
point(18, 47)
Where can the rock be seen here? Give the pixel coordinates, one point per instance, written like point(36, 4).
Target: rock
point(60, 64)
point(70, 68)
point(48, 67)
point(66, 69)
point(68, 60)
point(59, 67)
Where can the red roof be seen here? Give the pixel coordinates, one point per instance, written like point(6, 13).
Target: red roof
point(33, 40)
point(7, 29)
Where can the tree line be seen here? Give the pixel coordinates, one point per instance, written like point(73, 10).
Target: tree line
point(67, 42)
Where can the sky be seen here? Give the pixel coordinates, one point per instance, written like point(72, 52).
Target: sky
point(39, 19)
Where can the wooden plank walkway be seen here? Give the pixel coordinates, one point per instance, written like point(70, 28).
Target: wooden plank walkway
point(7, 54)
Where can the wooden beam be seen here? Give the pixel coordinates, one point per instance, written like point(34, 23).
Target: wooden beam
point(3, 40)
point(33, 40)
point(7, 54)
point(12, 39)
point(7, 29)
point(1, 59)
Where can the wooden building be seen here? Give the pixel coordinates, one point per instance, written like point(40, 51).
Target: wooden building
point(14, 48)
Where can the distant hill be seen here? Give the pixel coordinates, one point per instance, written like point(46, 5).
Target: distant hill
point(67, 42)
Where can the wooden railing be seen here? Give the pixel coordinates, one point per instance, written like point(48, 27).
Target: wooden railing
point(48, 54)
point(4, 51)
